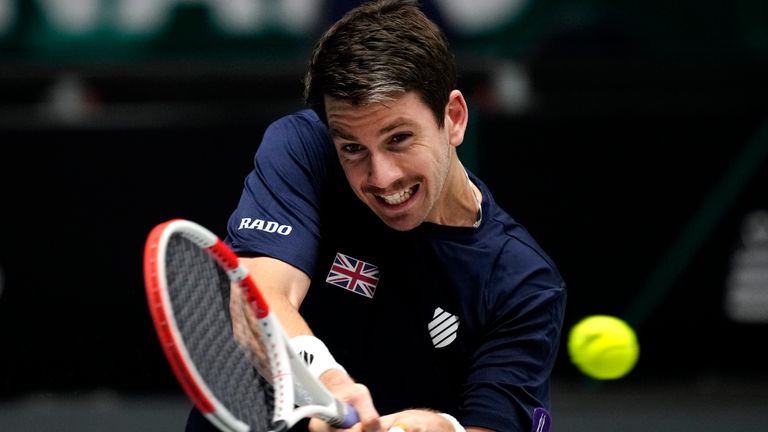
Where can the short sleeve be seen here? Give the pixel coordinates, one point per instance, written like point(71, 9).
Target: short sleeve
point(511, 367)
point(278, 214)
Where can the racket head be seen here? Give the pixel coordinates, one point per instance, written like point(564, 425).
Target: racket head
point(188, 274)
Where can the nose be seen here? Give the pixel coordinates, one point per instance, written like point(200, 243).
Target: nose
point(383, 171)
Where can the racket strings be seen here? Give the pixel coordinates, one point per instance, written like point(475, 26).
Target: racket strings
point(204, 320)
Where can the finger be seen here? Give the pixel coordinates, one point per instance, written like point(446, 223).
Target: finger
point(317, 425)
point(393, 424)
point(355, 394)
point(360, 398)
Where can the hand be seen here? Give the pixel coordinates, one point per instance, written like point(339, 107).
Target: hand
point(355, 394)
point(417, 420)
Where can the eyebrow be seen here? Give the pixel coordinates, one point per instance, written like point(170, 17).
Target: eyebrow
point(394, 125)
point(339, 133)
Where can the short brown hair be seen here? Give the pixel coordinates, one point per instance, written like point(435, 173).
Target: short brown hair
point(378, 50)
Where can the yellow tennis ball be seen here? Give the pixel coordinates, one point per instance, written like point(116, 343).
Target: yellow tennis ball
point(603, 347)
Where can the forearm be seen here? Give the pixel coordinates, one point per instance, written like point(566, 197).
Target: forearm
point(287, 313)
point(284, 288)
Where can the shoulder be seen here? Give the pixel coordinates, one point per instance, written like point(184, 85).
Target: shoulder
point(298, 138)
point(521, 266)
point(520, 255)
point(509, 237)
point(304, 122)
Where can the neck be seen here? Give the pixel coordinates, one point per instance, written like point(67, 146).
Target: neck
point(477, 195)
point(461, 203)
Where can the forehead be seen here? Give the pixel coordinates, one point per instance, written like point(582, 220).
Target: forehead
point(405, 109)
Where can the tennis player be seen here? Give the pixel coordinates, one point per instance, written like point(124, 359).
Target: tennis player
point(411, 293)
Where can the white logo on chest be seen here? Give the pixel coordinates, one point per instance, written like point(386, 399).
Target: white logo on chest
point(443, 328)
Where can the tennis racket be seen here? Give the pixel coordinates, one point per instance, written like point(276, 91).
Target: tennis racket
point(228, 353)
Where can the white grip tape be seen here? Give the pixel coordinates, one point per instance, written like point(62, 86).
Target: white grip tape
point(315, 354)
point(457, 427)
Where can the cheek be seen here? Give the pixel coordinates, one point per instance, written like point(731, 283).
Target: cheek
point(355, 175)
point(440, 157)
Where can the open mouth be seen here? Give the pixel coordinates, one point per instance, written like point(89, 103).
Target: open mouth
point(398, 197)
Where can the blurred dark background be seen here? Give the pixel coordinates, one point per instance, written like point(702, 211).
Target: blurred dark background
point(630, 138)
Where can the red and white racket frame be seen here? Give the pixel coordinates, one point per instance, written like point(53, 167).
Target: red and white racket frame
point(285, 365)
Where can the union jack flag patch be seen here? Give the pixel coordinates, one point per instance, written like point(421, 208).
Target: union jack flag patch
point(354, 275)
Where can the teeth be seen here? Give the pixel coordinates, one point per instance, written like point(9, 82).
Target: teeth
point(397, 198)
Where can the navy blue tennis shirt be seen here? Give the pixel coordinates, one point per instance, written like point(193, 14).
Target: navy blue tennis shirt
point(458, 319)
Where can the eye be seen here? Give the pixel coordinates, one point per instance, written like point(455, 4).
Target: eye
point(400, 138)
point(351, 148)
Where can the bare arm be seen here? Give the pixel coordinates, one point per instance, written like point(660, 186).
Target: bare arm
point(284, 287)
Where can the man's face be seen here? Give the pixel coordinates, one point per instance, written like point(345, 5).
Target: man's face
point(395, 157)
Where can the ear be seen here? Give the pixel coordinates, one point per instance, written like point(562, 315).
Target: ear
point(456, 117)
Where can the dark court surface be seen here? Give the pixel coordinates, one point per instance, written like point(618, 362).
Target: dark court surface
point(701, 405)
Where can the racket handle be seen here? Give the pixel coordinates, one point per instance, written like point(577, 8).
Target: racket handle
point(350, 418)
